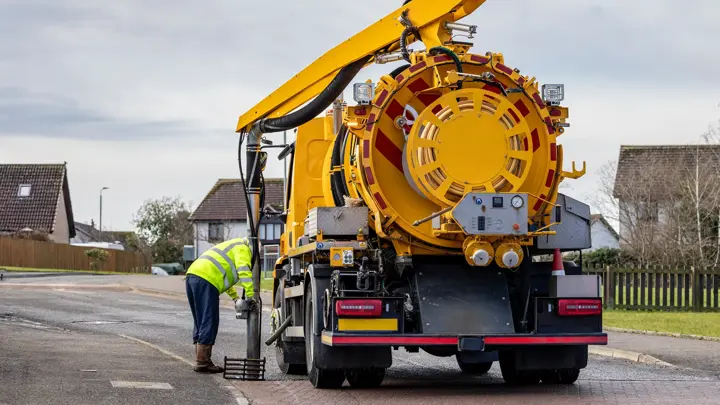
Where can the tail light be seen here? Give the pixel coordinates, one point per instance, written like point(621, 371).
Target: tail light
point(365, 308)
point(579, 307)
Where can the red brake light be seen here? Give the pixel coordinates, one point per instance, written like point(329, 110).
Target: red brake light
point(579, 307)
point(358, 307)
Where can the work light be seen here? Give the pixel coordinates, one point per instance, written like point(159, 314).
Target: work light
point(553, 94)
point(363, 93)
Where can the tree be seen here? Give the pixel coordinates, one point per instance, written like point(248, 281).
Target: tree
point(163, 229)
point(669, 204)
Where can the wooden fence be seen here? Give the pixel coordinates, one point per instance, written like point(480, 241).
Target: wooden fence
point(47, 255)
point(659, 288)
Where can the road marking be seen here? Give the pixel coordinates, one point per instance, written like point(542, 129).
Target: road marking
point(142, 385)
point(160, 349)
point(239, 397)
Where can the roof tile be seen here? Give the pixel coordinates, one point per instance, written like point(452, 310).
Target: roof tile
point(37, 210)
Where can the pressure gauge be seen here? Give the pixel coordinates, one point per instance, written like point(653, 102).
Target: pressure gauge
point(517, 202)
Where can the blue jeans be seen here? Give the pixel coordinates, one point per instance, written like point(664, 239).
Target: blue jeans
point(204, 302)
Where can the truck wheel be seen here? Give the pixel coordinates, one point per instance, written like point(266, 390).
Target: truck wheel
point(280, 346)
point(320, 378)
point(365, 378)
point(512, 375)
point(564, 376)
point(474, 368)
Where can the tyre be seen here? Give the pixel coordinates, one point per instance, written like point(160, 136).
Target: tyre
point(512, 375)
point(319, 378)
point(281, 347)
point(474, 368)
point(563, 376)
point(365, 378)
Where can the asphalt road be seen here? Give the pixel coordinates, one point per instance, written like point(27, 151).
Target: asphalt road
point(91, 324)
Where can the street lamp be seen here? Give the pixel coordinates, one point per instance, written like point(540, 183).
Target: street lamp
point(101, 190)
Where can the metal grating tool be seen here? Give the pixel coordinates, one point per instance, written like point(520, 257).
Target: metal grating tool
point(244, 369)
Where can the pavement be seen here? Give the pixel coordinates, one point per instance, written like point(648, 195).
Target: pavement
point(146, 338)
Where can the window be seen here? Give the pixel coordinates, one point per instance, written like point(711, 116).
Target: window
point(215, 232)
point(24, 190)
point(270, 231)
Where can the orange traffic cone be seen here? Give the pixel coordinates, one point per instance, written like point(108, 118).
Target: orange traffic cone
point(558, 269)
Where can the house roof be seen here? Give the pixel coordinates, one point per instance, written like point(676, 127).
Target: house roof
point(637, 163)
point(226, 200)
point(600, 218)
point(95, 235)
point(38, 209)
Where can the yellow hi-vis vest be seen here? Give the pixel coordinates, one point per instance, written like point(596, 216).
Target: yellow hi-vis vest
point(225, 265)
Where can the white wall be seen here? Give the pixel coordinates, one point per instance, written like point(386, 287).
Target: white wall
point(61, 233)
point(602, 237)
point(230, 229)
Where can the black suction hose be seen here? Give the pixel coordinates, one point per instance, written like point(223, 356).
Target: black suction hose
point(318, 105)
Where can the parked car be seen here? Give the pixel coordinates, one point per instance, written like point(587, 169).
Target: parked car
point(157, 271)
point(171, 268)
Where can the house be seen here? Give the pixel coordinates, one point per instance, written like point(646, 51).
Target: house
point(652, 182)
point(602, 234)
point(36, 197)
point(222, 215)
point(88, 234)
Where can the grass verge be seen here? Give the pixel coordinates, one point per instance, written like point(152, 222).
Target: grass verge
point(29, 270)
point(688, 323)
point(266, 284)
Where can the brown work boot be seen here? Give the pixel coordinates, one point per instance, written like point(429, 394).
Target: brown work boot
point(204, 362)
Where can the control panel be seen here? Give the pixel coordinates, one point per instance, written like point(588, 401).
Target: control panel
point(493, 214)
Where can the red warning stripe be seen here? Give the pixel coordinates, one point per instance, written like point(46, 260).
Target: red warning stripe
point(394, 110)
point(366, 149)
point(399, 78)
point(479, 59)
point(549, 124)
point(380, 201)
point(442, 58)
point(522, 108)
point(515, 117)
point(504, 69)
point(369, 175)
point(539, 100)
point(415, 68)
point(539, 202)
point(418, 86)
point(388, 149)
point(428, 98)
point(381, 98)
point(553, 152)
point(525, 142)
point(550, 178)
point(371, 122)
point(535, 139)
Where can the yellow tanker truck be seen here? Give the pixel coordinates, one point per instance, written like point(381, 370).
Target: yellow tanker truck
point(414, 214)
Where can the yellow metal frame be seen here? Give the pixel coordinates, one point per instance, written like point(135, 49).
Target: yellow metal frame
point(427, 15)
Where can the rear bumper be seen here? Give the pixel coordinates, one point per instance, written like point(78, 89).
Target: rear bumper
point(360, 339)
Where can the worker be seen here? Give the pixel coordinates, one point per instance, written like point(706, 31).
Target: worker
point(216, 272)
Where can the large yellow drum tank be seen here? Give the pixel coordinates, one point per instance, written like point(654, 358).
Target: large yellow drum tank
point(435, 132)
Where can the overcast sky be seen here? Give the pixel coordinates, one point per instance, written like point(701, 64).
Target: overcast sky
point(143, 96)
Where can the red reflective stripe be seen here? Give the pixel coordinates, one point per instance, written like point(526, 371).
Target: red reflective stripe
point(396, 340)
point(380, 201)
point(418, 86)
point(415, 68)
point(550, 178)
point(553, 152)
point(387, 148)
point(370, 122)
point(504, 69)
point(381, 100)
point(520, 340)
point(369, 175)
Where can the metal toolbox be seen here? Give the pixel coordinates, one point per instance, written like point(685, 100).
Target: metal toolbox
point(337, 221)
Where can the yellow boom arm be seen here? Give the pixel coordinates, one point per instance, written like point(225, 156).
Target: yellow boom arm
point(428, 16)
